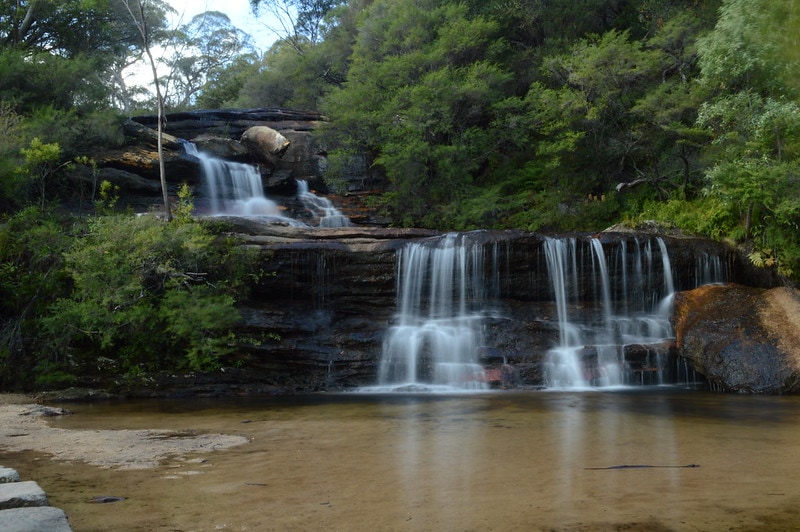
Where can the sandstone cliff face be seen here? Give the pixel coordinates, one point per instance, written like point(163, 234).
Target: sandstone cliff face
point(301, 158)
point(742, 339)
point(329, 296)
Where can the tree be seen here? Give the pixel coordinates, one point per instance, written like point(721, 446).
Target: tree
point(224, 87)
point(32, 277)
point(203, 50)
point(41, 160)
point(300, 22)
point(418, 97)
point(745, 49)
point(146, 295)
point(136, 10)
point(753, 120)
point(128, 51)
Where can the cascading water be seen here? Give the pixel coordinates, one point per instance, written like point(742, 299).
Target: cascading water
point(441, 300)
point(633, 312)
point(233, 188)
point(321, 208)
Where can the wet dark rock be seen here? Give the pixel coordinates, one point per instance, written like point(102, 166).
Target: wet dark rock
point(742, 339)
point(330, 296)
point(46, 411)
point(105, 499)
point(221, 147)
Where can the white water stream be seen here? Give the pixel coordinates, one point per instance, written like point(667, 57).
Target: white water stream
point(635, 312)
point(236, 189)
point(441, 303)
point(321, 208)
point(232, 188)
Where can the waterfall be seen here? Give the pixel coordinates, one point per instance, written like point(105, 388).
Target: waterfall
point(594, 353)
point(563, 365)
point(441, 303)
point(709, 269)
point(233, 188)
point(321, 208)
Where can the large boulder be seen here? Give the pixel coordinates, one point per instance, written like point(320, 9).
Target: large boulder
point(742, 339)
point(264, 143)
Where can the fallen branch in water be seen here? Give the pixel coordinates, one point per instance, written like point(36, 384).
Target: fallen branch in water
point(644, 466)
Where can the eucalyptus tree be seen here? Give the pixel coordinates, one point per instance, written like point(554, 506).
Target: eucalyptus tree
point(57, 52)
point(302, 67)
point(137, 9)
point(299, 23)
point(129, 51)
point(202, 51)
point(223, 87)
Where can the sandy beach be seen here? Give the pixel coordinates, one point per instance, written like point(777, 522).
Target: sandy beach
point(23, 427)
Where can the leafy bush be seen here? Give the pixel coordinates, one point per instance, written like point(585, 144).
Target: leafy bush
point(32, 276)
point(708, 216)
point(147, 294)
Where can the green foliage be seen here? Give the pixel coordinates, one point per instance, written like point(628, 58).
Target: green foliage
point(750, 45)
point(148, 295)
point(225, 85)
point(605, 101)
point(421, 84)
point(41, 161)
point(108, 198)
point(708, 216)
point(11, 142)
point(197, 319)
point(205, 50)
point(31, 278)
point(288, 79)
point(182, 212)
point(35, 79)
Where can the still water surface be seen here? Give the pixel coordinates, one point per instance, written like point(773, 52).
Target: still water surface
point(486, 461)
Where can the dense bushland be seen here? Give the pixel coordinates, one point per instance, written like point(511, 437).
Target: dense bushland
point(116, 294)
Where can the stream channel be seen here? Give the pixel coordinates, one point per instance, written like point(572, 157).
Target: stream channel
point(502, 460)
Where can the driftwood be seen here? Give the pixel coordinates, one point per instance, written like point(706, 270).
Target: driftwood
point(631, 184)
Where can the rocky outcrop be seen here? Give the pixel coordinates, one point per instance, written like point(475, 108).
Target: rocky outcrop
point(222, 147)
point(742, 339)
point(322, 303)
point(232, 123)
point(293, 151)
point(276, 141)
point(325, 299)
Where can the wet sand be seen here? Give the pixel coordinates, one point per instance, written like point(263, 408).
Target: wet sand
point(503, 461)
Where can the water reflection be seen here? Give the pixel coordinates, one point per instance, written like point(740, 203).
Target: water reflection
point(504, 461)
point(439, 446)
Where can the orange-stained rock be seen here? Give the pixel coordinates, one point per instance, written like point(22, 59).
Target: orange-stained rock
point(742, 339)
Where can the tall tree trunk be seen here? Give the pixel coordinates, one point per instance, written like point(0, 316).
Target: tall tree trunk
point(141, 25)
